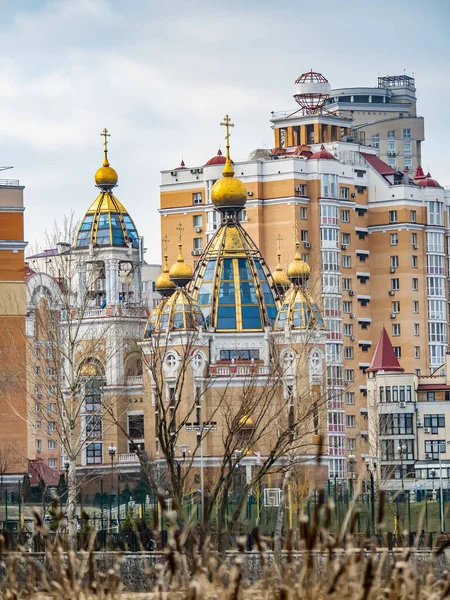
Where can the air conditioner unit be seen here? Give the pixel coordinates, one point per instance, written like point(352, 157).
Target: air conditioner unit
point(298, 189)
point(38, 450)
point(428, 456)
point(392, 270)
point(352, 338)
point(197, 229)
point(416, 246)
point(402, 404)
point(393, 315)
point(307, 244)
point(174, 173)
point(352, 315)
point(351, 293)
point(344, 246)
point(391, 293)
point(196, 252)
point(249, 193)
point(427, 429)
point(419, 425)
point(39, 396)
point(353, 195)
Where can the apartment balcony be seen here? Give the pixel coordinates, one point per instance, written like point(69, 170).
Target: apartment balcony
point(336, 428)
point(129, 458)
point(239, 370)
point(135, 380)
point(336, 451)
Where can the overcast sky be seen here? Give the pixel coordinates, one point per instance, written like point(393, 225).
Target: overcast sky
point(161, 75)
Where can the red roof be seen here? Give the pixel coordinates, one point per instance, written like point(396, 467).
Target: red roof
point(428, 182)
point(181, 167)
point(323, 154)
point(29, 272)
point(37, 469)
point(384, 358)
point(419, 174)
point(432, 386)
point(219, 159)
point(381, 167)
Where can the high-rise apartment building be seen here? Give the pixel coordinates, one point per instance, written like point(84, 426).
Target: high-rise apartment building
point(374, 237)
point(13, 441)
point(384, 117)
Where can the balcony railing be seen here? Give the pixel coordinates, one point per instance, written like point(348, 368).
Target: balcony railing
point(238, 370)
point(9, 183)
point(134, 380)
point(128, 458)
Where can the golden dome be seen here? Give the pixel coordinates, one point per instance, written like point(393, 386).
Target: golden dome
point(247, 422)
point(280, 278)
point(106, 177)
point(228, 194)
point(298, 270)
point(177, 313)
point(163, 284)
point(180, 273)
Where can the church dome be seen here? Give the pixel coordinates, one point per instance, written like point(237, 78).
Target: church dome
point(106, 222)
point(179, 312)
point(322, 154)
point(279, 276)
point(233, 285)
point(163, 284)
point(219, 159)
point(298, 311)
point(298, 271)
point(180, 273)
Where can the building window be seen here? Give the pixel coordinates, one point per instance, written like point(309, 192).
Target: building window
point(407, 133)
point(416, 328)
point(406, 148)
point(38, 444)
point(348, 352)
point(349, 375)
point(394, 239)
point(346, 239)
point(303, 213)
point(304, 235)
point(351, 444)
point(348, 306)
point(94, 428)
point(94, 453)
point(348, 329)
point(136, 427)
point(391, 161)
point(330, 183)
point(395, 284)
point(391, 134)
point(37, 425)
point(394, 262)
point(430, 397)
point(197, 198)
point(415, 284)
point(198, 243)
point(346, 283)
point(415, 306)
point(345, 215)
point(350, 420)
point(414, 261)
point(414, 239)
point(412, 216)
point(51, 444)
point(396, 307)
point(396, 329)
point(198, 220)
point(376, 141)
point(346, 262)
point(392, 216)
point(349, 397)
point(407, 161)
point(52, 463)
point(398, 351)
point(344, 195)
point(434, 448)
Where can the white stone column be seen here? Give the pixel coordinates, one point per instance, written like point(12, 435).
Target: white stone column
point(108, 283)
point(114, 278)
point(137, 287)
point(81, 284)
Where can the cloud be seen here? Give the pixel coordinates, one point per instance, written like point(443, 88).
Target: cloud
point(161, 76)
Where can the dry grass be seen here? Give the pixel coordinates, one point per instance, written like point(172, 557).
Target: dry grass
point(325, 569)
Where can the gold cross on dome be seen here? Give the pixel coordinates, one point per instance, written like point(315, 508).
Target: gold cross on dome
point(165, 242)
point(227, 124)
point(296, 231)
point(179, 229)
point(105, 136)
point(279, 240)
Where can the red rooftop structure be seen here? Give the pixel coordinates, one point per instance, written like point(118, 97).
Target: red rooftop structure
point(384, 358)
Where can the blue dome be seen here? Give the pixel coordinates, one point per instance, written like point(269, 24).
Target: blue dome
point(233, 285)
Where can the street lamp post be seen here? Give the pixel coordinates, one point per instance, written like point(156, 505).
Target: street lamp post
point(372, 488)
point(112, 453)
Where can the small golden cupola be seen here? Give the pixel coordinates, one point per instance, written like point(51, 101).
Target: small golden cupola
point(106, 177)
point(163, 284)
point(279, 276)
point(298, 271)
point(228, 193)
point(180, 273)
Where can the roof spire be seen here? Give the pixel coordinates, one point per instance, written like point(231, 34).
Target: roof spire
point(164, 285)
point(298, 271)
point(105, 136)
point(228, 170)
point(180, 273)
point(279, 276)
point(384, 358)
